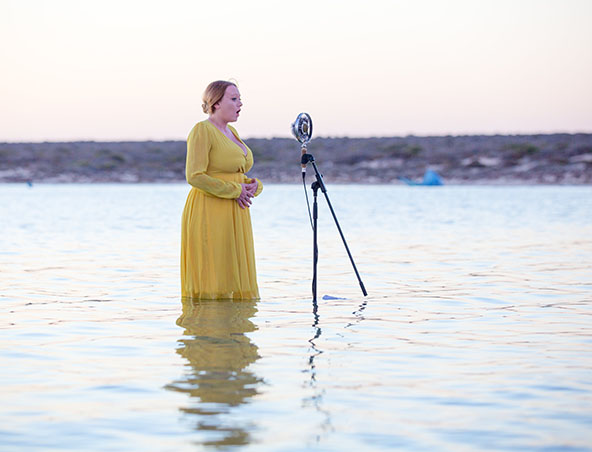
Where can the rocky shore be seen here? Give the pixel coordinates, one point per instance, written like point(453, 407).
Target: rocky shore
point(475, 159)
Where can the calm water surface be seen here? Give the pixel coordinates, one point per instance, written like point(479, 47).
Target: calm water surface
point(476, 334)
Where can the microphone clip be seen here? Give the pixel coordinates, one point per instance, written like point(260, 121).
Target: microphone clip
point(306, 158)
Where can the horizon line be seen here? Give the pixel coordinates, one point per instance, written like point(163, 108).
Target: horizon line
point(287, 136)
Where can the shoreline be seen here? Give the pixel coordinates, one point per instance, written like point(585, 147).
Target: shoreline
point(554, 159)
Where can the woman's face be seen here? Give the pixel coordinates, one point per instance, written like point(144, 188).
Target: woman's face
point(229, 106)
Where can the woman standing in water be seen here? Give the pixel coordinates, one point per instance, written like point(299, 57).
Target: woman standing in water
point(217, 255)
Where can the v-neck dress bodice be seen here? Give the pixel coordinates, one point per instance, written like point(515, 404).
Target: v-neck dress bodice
point(237, 141)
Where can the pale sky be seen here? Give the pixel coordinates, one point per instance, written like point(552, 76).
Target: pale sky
point(136, 70)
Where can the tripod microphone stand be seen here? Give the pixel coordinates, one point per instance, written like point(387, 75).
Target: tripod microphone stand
point(302, 130)
point(316, 185)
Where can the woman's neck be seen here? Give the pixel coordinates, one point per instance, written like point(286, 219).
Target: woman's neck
point(221, 124)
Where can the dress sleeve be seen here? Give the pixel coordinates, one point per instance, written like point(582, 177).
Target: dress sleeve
point(198, 150)
point(249, 180)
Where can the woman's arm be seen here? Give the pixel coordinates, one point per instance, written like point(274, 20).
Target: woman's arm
point(198, 150)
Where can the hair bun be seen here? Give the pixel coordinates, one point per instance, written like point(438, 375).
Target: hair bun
point(204, 107)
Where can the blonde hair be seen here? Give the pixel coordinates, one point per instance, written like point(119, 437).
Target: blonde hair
point(214, 94)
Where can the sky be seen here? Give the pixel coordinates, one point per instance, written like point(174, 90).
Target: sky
point(114, 70)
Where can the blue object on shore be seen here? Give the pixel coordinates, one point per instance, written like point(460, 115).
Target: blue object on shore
point(330, 297)
point(430, 177)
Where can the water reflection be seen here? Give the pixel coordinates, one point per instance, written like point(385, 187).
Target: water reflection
point(316, 399)
point(217, 381)
point(358, 313)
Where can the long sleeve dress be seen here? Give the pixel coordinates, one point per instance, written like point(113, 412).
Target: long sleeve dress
point(217, 253)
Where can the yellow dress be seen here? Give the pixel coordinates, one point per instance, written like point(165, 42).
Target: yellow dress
point(217, 254)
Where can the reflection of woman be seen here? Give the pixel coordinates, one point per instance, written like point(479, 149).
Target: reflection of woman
point(217, 256)
point(218, 352)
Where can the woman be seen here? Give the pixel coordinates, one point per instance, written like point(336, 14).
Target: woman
point(217, 256)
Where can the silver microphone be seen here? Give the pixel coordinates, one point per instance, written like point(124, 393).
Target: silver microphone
point(302, 128)
point(302, 131)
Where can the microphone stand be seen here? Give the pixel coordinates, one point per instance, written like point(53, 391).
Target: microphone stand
point(319, 183)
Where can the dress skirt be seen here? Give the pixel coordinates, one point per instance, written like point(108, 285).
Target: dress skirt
point(217, 252)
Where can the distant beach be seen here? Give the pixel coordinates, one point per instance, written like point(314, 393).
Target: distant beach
point(473, 159)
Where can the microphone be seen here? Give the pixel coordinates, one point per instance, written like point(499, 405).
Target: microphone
point(302, 131)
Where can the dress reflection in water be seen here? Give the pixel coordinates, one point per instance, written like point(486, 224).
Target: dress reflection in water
point(218, 353)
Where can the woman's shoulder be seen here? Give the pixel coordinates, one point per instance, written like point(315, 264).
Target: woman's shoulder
point(200, 128)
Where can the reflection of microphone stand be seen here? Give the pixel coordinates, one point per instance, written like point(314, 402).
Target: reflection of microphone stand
point(317, 352)
point(302, 130)
point(317, 398)
point(358, 314)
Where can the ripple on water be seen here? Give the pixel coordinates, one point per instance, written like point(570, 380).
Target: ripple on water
point(475, 334)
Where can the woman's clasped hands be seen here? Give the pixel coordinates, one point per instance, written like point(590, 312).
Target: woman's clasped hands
point(247, 192)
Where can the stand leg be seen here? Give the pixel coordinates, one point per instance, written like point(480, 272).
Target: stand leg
point(345, 244)
point(315, 247)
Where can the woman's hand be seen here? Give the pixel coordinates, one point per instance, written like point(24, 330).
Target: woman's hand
point(252, 187)
point(244, 199)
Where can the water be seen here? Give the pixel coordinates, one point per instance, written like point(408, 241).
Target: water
point(476, 334)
